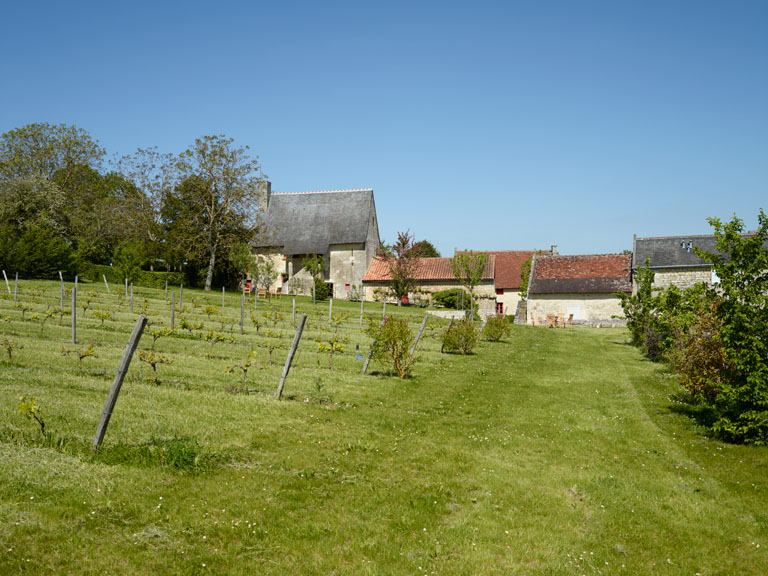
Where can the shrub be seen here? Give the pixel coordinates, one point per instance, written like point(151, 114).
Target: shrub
point(322, 289)
point(35, 253)
point(461, 337)
point(143, 278)
point(455, 298)
point(496, 327)
point(392, 344)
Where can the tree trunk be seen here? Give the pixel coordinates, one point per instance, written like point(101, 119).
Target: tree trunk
point(211, 263)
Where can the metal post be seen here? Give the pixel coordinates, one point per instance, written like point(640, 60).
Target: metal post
point(74, 313)
point(131, 297)
point(7, 285)
point(15, 286)
point(242, 312)
point(106, 283)
point(418, 336)
point(173, 310)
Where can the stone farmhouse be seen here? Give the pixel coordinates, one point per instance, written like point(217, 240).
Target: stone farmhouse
point(507, 278)
point(339, 225)
point(673, 260)
point(582, 286)
point(432, 275)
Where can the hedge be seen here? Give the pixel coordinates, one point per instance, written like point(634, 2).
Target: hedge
point(146, 278)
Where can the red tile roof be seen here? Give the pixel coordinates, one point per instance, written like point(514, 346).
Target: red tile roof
point(508, 267)
point(426, 269)
point(602, 273)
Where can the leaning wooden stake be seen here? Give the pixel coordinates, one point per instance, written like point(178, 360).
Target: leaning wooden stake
point(418, 336)
point(106, 283)
point(106, 414)
point(291, 352)
point(7, 285)
point(443, 344)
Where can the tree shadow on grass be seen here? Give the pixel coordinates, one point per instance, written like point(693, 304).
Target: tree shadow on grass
point(685, 405)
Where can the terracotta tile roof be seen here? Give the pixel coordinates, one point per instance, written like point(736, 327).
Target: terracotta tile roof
point(508, 266)
point(593, 273)
point(426, 269)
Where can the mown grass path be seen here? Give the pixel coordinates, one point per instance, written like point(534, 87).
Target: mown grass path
point(555, 452)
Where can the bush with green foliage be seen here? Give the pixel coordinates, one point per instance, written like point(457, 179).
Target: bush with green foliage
point(392, 344)
point(461, 337)
point(741, 308)
point(144, 277)
point(322, 289)
point(455, 298)
point(496, 328)
point(35, 253)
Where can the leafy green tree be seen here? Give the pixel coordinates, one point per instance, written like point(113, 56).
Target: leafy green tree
point(425, 249)
point(41, 149)
point(241, 258)
point(741, 264)
point(127, 260)
point(468, 267)
point(392, 342)
point(35, 253)
point(315, 266)
point(221, 202)
point(525, 276)
point(32, 202)
point(402, 260)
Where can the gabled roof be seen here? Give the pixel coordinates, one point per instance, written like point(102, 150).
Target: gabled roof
point(426, 269)
point(593, 273)
point(508, 267)
point(675, 251)
point(308, 222)
point(672, 251)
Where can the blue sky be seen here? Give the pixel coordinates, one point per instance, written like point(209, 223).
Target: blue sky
point(482, 125)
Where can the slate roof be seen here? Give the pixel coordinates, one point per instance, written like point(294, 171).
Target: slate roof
point(426, 269)
point(672, 251)
point(676, 251)
point(508, 266)
point(588, 274)
point(308, 222)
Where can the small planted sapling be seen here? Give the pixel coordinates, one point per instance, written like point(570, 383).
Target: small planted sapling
point(250, 361)
point(271, 347)
point(102, 315)
point(158, 333)
point(213, 338)
point(153, 360)
point(82, 354)
point(256, 321)
point(30, 408)
point(9, 346)
point(24, 309)
point(332, 345)
point(43, 318)
point(190, 326)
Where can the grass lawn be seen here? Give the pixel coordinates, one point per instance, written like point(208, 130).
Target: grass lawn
point(553, 452)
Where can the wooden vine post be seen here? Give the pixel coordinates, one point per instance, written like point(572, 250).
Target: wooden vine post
point(173, 310)
point(122, 370)
point(291, 352)
point(242, 312)
point(15, 286)
point(418, 336)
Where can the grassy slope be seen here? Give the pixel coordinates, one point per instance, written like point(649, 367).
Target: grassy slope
point(556, 452)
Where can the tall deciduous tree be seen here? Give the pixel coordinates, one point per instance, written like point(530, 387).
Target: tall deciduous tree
point(402, 260)
point(468, 268)
point(40, 150)
point(222, 197)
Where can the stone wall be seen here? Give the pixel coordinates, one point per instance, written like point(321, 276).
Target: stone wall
point(681, 277)
point(587, 309)
point(485, 293)
point(509, 300)
point(347, 266)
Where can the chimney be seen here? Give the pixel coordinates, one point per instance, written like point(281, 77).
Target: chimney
point(553, 250)
point(262, 195)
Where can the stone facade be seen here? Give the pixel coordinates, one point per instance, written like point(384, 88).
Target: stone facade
point(508, 300)
point(683, 277)
point(347, 266)
point(587, 309)
point(485, 294)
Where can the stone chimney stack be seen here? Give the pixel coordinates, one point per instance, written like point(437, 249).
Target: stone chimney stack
point(262, 195)
point(553, 250)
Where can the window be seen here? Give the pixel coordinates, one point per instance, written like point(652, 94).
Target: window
point(499, 291)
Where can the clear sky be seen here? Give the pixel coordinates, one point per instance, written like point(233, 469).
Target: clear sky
point(482, 125)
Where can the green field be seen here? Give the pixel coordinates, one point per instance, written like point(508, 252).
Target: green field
point(553, 452)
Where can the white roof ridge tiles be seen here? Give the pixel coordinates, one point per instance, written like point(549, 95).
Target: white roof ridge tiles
point(324, 191)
